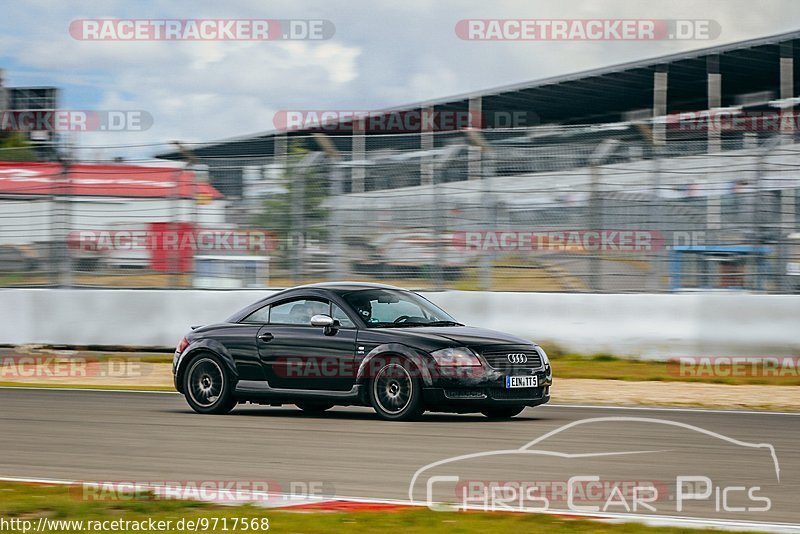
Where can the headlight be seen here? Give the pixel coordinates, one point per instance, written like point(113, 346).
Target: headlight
point(458, 356)
point(546, 362)
point(543, 354)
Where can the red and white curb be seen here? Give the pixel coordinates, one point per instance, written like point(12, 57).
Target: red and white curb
point(358, 504)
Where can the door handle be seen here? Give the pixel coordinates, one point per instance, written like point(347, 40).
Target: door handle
point(266, 336)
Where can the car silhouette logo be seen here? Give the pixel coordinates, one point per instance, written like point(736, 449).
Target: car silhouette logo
point(517, 358)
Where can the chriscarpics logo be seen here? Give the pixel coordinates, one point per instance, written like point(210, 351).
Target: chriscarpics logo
point(664, 467)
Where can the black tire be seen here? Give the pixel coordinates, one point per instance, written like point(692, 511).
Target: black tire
point(207, 385)
point(505, 412)
point(394, 393)
point(314, 407)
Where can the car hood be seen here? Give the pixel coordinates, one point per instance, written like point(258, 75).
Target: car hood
point(468, 336)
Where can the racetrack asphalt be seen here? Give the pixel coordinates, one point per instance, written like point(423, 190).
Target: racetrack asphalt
point(132, 436)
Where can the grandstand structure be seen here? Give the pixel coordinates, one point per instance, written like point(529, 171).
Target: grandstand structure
point(696, 149)
point(549, 124)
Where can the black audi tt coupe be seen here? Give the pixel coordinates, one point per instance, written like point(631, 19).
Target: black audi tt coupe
point(352, 343)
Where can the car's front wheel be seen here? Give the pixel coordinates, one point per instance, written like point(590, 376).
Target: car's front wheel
point(505, 412)
point(395, 394)
point(207, 385)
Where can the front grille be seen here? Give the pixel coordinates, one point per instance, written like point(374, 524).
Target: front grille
point(510, 360)
point(464, 394)
point(516, 394)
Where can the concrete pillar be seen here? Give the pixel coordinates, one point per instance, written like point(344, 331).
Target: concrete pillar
point(3, 96)
point(714, 213)
point(787, 89)
point(660, 105)
point(788, 210)
point(280, 151)
point(714, 89)
point(358, 173)
point(426, 143)
point(660, 84)
point(474, 152)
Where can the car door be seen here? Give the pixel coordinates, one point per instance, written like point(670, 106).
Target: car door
point(296, 355)
point(240, 340)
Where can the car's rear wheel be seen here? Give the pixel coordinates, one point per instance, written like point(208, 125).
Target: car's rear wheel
point(504, 412)
point(395, 394)
point(208, 386)
point(314, 407)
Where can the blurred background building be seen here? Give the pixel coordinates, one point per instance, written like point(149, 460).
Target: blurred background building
point(672, 174)
point(18, 99)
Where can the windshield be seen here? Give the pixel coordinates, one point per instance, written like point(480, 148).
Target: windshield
point(386, 308)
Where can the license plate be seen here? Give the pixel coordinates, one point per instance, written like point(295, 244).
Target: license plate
point(529, 381)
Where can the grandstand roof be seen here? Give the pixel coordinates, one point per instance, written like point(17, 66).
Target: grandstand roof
point(600, 95)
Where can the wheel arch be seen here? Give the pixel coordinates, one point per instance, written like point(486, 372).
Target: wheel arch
point(397, 350)
point(204, 346)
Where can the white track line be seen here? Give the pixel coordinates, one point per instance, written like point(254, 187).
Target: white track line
point(667, 409)
point(93, 390)
point(653, 520)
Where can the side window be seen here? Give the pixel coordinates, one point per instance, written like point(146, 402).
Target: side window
point(297, 311)
point(260, 316)
point(338, 314)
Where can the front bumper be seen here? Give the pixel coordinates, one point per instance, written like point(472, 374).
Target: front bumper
point(475, 399)
point(474, 388)
point(487, 390)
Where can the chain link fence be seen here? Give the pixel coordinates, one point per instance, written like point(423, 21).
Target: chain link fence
point(577, 209)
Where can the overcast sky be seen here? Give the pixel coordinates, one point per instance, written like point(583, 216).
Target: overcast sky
point(383, 54)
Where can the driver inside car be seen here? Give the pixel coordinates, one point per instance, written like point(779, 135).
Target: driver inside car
point(363, 307)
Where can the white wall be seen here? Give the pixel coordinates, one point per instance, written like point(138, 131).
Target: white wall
point(29, 221)
point(642, 325)
point(25, 221)
point(711, 173)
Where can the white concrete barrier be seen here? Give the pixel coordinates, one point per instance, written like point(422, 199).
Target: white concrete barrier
point(637, 325)
point(640, 325)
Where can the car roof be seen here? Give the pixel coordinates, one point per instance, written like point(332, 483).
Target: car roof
point(346, 287)
point(340, 288)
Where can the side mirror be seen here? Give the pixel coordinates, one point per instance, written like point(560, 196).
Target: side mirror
point(327, 322)
point(322, 320)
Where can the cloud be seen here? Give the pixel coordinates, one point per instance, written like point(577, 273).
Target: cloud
point(382, 55)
